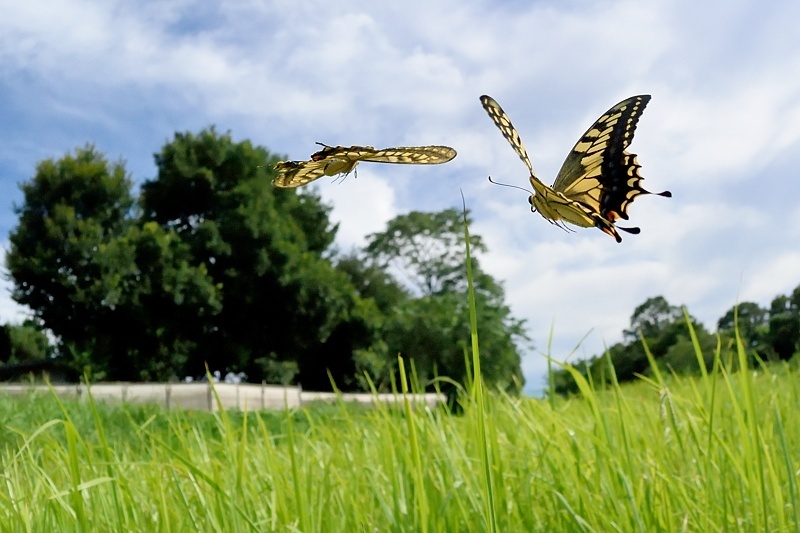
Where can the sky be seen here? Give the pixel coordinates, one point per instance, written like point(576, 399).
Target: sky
point(722, 131)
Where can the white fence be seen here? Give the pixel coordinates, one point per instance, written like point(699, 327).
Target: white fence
point(200, 396)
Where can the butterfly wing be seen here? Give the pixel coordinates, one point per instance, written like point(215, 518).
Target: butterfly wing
point(501, 120)
point(553, 206)
point(296, 173)
point(410, 155)
point(599, 179)
point(335, 160)
point(598, 172)
point(330, 161)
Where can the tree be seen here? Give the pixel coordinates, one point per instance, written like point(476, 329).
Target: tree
point(24, 342)
point(651, 318)
point(284, 304)
point(427, 251)
point(783, 336)
point(752, 323)
point(663, 327)
point(121, 299)
point(660, 324)
point(681, 356)
point(372, 281)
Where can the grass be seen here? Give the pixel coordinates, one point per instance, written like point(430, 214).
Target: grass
point(719, 454)
point(715, 453)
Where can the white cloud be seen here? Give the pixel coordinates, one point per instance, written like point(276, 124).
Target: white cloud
point(362, 205)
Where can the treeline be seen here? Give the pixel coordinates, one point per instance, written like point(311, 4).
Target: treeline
point(767, 334)
point(212, 265)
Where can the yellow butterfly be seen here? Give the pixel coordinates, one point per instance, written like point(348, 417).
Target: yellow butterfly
point(599, 179)
point(335, 160)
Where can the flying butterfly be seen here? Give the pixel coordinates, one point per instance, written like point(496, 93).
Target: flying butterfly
point(599, 179)
point(335, 160)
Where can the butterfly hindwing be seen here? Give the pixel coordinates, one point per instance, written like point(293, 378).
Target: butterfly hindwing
point(336, 160)
point(296, 173)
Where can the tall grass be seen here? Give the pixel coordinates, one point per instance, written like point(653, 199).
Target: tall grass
point(669, 453)
point(665, 454)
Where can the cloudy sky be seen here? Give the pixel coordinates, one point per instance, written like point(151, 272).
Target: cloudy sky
point(722, 131)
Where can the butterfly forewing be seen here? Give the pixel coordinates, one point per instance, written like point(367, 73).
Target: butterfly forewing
point(413, 155)
point(501, 120)
point(606, 139)
point(598, 172)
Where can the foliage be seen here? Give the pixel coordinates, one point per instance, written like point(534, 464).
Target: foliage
point(115, 295)
point(284, 305)
point(427, 251)
point(216, 267)
point(665, 332)
point(652, 318)
point(372, 281)
point(23, 343)
point(772, 334)
point(783, 336)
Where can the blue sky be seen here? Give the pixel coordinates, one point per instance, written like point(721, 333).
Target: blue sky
point(722, 131)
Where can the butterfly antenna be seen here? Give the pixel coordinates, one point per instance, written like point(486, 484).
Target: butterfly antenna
point(507, 185)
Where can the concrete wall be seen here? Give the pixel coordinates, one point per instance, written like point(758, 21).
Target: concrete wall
point(200, 396)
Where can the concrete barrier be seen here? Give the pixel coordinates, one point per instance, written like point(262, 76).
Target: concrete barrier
point(200, 396)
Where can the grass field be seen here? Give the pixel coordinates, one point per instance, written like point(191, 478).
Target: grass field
point(720, 452)
point(717, 453)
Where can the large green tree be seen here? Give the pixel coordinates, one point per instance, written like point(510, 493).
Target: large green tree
point(285, 308)
point(117, 296)
point(215, 266)
point(426, 252)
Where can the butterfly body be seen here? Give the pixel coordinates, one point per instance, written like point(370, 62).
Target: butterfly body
point(598, 180)
point(341, 160)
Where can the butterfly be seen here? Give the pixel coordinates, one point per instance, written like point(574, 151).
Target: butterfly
point(599, 179)
point(335, 160)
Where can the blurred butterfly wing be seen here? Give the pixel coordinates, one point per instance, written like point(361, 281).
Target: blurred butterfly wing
point(410, 155)
point(296, 173)
point(330, 161)
point(598, 172)
point(335, 160)
point(501, 120)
